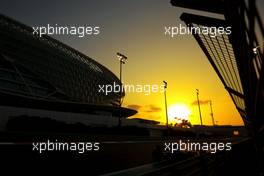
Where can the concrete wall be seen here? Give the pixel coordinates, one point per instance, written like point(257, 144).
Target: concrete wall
point(104, 118)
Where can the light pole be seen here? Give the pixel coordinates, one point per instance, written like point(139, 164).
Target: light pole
point(212, 115)
point(256, 50)
point(198, 102)
point(258, 60)
point(122, 59)
point(165, 88)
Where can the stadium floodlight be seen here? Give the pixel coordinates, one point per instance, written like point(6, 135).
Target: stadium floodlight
point(255, 50)
point(122, 58)
point(198, 102)
point(212, 115)
point(165, 88)
point(165, 84)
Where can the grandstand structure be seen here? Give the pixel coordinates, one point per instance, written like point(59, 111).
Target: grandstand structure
point(236, 58)
point(41, 73)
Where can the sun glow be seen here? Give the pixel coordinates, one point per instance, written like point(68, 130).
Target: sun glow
point(178, 111)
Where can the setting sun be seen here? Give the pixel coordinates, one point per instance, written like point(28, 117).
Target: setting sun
point(179, 111)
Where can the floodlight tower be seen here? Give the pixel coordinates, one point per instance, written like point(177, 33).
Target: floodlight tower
point(212, 115)
point(258, 59)
point(165, 89)
point(122, 60)
point(198, 102)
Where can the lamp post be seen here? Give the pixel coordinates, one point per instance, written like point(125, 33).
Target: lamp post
point(212, 115)
point(256, 49)
point(198, 102)
point(258, 59)
point(122, 60)
point(165, 88)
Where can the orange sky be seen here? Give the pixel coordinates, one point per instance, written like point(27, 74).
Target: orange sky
point(136, 29)
point(184, 66)
point(154, 57)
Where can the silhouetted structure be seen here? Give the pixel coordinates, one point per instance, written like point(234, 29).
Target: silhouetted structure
point(43, 73)
point(237, 58)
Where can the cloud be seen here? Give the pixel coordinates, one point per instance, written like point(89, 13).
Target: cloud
point(202, 102)
point(146, 108)
point(152, 108)
point(150, 116)
point(150, 112)
point(134, 106)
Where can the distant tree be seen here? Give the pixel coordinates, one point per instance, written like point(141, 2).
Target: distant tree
point(183, 123)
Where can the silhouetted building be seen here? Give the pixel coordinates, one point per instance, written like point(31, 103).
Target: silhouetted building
point(40, 76)
point(236, 56)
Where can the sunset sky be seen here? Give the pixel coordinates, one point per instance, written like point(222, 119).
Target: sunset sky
point(136, 29)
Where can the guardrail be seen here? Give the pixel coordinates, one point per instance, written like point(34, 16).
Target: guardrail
point(202, 164)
